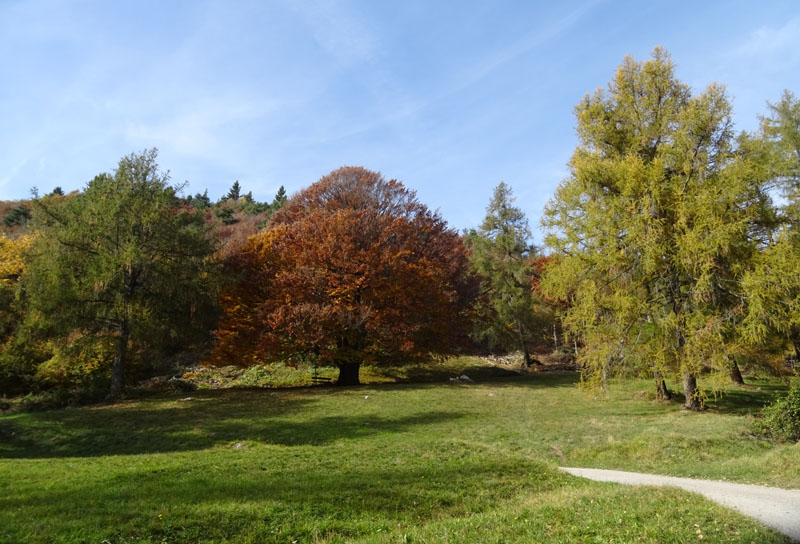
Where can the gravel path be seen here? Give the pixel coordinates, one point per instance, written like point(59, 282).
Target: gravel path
point(774, 507)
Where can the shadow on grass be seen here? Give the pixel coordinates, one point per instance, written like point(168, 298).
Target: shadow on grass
point(747, 399)
point(263, 500)
point(341, 496)
point(432, 373)
point(493, 376)
point(220, 417)
point(210, 419)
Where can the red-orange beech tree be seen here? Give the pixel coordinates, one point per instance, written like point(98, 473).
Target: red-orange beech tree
point(353, 270)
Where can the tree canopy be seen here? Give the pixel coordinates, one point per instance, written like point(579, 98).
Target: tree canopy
point(121, 266)
point(501, 253)
point(654, 227)
point(773, 284)
point(353, 270)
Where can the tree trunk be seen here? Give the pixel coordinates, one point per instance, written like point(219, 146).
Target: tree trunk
point(690, 391)
point(348, 374)
point(118, 367)
point(736, 374)
point(662, 391)
point(796, 343)
point(525, 354)
point(555, 336)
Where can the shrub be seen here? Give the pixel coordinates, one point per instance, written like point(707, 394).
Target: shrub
point(781, 420)
point(53, 399)
point(178, 385)
point(17, 216)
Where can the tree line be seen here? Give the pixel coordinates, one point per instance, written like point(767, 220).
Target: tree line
point(672, 252)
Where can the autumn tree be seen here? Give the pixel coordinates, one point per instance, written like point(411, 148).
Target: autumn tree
point(653, 228)
point(501, 253)
point(13, 251)
point(14, 370)
point(122, 265)
point(353, 270)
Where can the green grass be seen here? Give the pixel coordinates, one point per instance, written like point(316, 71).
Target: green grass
point(382, 463)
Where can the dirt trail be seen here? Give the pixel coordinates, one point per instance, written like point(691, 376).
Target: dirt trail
point(772, 506)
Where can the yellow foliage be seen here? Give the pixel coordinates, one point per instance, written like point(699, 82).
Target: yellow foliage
point(12, 257)
point(79, 358)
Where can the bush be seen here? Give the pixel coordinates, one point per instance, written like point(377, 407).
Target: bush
point(17, 216)
point(781, 420)
point(52, 399)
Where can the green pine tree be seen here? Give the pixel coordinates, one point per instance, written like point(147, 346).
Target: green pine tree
point(122, 265)
point(234, 192)
point(279, 200)
point(501, 254)
point(18, 216)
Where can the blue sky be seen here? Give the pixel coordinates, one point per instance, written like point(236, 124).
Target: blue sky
point(450, 97)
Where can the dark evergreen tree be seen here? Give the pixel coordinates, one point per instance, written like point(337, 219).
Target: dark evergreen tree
point(279, 200)
point(234, 192)
point(18, 216)
point(501, 253)
point(225, 215)
point(200, 201)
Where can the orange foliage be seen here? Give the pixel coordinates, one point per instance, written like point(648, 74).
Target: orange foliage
point(352, 270)
point(539, 263)
point(234, 236)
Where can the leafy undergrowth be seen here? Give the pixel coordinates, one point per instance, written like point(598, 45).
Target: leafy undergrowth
point(781, 420)
point(381, 463)
point(281, 375)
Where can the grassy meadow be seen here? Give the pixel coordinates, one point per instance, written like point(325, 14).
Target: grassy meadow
point(384, 462)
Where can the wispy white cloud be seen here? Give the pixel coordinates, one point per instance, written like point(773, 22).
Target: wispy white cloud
point(410, 107)
point(534, 39)
point(197, 129)
point(340, 31)
point(771, 41)
point(755, 68)
point(10, 174)
point(442, 95)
